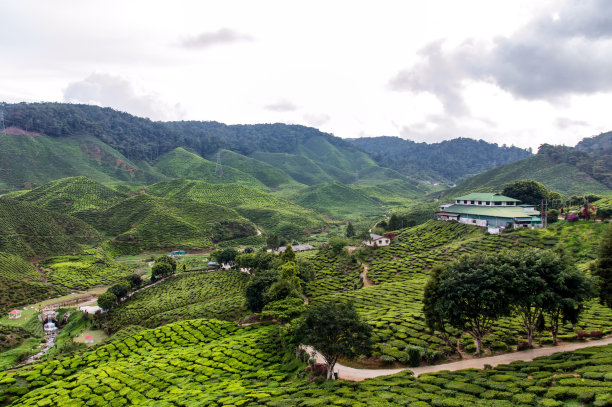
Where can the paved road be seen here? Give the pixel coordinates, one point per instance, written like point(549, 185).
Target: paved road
point(353, 374)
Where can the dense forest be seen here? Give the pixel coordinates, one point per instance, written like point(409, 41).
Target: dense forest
point(451, 160)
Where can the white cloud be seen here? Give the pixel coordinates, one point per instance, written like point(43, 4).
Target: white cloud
point(212, 38)
point(114, 91)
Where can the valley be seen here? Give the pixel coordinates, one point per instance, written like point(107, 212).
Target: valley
point(181, 262)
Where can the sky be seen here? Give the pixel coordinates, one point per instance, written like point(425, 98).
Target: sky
point(517, 72)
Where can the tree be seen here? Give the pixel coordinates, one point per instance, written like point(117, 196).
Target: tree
point(287, 285)
point(527, 191)
point(337, 244)
point(257, 288)
point(288, 254)
point(121, 289)
point(434, 320)
point(134, 280)
point(160, 270)
point(603, 267)
point(107, 301)
point(225, 256)
point(167, 259)
point(473, 294)
point(273, 241)
point(350, 230)
point(334, 329)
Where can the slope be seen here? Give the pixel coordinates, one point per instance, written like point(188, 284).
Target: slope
point(29, 231)
point(270, 176)
point(146, 222)
point(339, 201)
point(180, 163)
point(272, 214)
point(447, 161)
point(30, 159)
point(73, 195)
point(560, 177)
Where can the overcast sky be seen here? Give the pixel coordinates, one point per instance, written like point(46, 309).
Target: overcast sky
point(513, 72)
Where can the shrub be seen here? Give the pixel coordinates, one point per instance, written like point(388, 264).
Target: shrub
point(596, 334)
point(582, 335)
point(522, 345)
point(415, 354)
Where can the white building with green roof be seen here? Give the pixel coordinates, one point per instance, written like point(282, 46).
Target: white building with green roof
point(494, 211)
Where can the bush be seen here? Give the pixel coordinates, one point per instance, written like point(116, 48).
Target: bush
point(415, 354)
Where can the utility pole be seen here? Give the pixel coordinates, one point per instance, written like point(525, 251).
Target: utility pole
point(219, 167)
point(356, 177)
point(2, 127)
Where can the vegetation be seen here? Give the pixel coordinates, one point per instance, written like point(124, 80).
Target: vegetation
point(29, 231)
point(334, 329)
point(91, 268)
point(603, 268)
point(448, 161)
point(527, 191)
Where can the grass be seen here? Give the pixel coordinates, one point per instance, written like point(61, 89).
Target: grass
point(98, 336)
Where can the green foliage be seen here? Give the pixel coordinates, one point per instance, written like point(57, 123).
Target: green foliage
point(121, 289)
point(29, 231)
point(334, 329)
point(218, 294)
point(148, 222)
point(284, 310)
point(337, 244)
point(288, 254)
point(257, 289)
point(527, 191)
point(75, 196)
point(350, 230)
point(603, 268)
point(92, 267)
point(107, 300)
point(274, 215)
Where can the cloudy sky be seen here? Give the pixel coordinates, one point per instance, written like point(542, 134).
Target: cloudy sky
point(513, 72)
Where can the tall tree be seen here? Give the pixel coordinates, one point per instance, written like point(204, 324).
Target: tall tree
point(288, 254)
point(527, 191)
point(350, 230)
point(334, 329)
point(473, 294)
point(603, 268)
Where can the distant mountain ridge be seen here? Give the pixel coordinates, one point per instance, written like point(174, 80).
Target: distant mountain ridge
point(448, 161)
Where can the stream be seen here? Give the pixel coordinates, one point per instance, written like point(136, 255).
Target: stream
point(49, 342)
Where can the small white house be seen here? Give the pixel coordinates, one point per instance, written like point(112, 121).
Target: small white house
point(377, 240)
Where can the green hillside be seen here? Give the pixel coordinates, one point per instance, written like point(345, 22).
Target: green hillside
point(560, 177)
point(339, 201)
point(145, 222)
point(270, 176)
point(302, 169)
point(266, 211)
point(180, 163)
point(21, 284)
point(32, 160)
point(30, 231)
point(73, 195)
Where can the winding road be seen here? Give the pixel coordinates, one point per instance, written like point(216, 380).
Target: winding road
point(354, 374)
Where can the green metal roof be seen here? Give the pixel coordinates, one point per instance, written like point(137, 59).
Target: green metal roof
point(486, 196)
point(495, 211)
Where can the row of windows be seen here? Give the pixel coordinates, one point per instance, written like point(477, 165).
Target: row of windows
point(484, 203)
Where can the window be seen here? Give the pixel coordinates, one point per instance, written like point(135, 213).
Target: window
point(472, 202)
point(479, 202)
point(498, 203)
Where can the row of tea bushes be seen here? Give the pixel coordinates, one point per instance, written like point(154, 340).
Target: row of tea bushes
point(333, 273)
point(186, 363)
point(91, 268)
point(182, 296)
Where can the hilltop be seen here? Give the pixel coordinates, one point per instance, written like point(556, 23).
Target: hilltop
point(449, 161)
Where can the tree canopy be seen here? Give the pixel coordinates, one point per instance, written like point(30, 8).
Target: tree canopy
point(527, 191)
point(603, 268)
point(334, 329)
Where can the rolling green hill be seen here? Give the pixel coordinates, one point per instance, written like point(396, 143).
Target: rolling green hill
point(339, 201)
point(560, 177)
point(21, 284)
point(73, 195)
point(270, 213)
point(145, 222)
point(269, 175)
point(180, 163)
point(30, 231)
point(30, 160)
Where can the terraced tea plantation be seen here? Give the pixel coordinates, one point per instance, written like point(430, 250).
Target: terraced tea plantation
point(394, 310)
point(198, 362)
point(333, 274)
point(218, 294)
point(208, 362)
point(21, 284)
point(92, 268)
